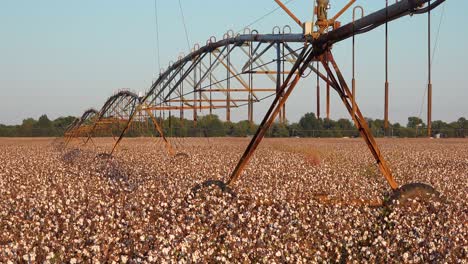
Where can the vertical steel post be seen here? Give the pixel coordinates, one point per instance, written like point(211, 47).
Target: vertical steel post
point(429, 66)
point(181, 90)
point(353, 83)
point(163, 112)
point(251, 85)
point(386, 125)
point(282, 75)
point(228, 81)
point(328, 89)
point(200, 86)
point(318, 91)
point(278, 76)
point(211, 84)
point(328, 100)
point(195, 95)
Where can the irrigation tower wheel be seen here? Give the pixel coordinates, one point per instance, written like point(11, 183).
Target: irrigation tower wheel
point(408, 192)
point(223, 187)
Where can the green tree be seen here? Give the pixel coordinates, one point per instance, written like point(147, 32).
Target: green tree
point(294, 130)
point(414, 121)
point(242, 129)
point(44, 126)
point(27, 127)
point(329, 127)
point(61, 123)
point(309, 124)
point(440, 127)
point(229, 128)
point(8, 131)
point(346, 127)
point(377, 127)
point(279, 130)
point(211, 126)
point(462, 123)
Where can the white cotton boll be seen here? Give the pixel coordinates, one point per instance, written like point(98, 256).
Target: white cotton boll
point(95, 248)
point(165, 250)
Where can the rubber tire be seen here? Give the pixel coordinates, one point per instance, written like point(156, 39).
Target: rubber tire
point(103, 156)
point(182, 155)
point(413, 190)
point(220, 184)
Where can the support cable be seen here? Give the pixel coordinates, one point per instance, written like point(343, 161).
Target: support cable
point(185, 26)
point(158, 55)
point(263, 17)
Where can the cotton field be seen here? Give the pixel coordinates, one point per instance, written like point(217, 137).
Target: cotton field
point(298, 201)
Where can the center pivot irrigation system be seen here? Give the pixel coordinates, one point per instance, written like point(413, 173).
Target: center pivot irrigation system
point(223, 74)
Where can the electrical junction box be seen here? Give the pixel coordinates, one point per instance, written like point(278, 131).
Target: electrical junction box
point(308, 28)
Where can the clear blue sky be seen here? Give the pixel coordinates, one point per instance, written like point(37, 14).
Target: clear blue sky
point(60, 57)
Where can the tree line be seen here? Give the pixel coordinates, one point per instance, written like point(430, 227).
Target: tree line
point(43, 127)
point(211, 126)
